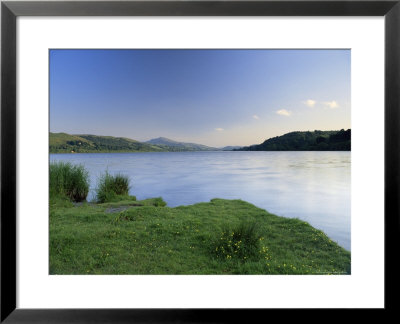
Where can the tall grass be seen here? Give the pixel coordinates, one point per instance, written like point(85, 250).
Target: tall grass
point(241, 241)
point(68, 180)
point(111, 186)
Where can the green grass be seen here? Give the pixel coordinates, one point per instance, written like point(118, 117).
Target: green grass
point(68, 181)
point(240, 242)
point(143, 237)
point(110, 187)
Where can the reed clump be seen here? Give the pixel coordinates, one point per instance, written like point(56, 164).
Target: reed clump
point(111, 186)
point(68, 180)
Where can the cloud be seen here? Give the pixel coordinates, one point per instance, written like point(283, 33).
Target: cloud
point(283, 112)
point(256, 117)
point(310, 103)
point(219, 129)
point(331, 104)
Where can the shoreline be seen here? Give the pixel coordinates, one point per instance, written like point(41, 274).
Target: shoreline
point(193, 151)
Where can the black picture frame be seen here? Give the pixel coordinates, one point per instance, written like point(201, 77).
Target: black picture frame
point(10, 10)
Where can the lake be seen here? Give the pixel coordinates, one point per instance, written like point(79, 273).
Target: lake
point(312, 186)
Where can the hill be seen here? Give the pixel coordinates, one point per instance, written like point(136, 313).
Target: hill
point(66, 143)
point(230, 148)
point(179, 146)
point(84, 143)
point(306, 141)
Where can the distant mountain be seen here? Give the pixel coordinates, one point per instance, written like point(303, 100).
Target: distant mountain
point(230, 148)
point(179, 146)
point(66, 143)
point(306, 141)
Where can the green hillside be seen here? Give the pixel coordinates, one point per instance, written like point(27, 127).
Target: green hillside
point(172, 145)
point(59, 139)
point(306, 141)
point(65, 143)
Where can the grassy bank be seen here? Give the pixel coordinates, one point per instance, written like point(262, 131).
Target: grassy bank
point(218, 237)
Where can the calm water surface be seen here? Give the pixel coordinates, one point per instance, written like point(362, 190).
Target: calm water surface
point(312, 186)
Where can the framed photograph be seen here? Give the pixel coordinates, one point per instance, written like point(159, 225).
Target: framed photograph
point(164, 158)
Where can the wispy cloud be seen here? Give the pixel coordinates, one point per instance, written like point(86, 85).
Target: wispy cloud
point(283, 112)
point(310, 103)
point(219, 129)
point(256, 117)
point(331, 104)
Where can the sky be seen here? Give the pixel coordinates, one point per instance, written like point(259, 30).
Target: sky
point(210, 97)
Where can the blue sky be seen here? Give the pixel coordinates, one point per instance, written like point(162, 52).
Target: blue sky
point(212, 97)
